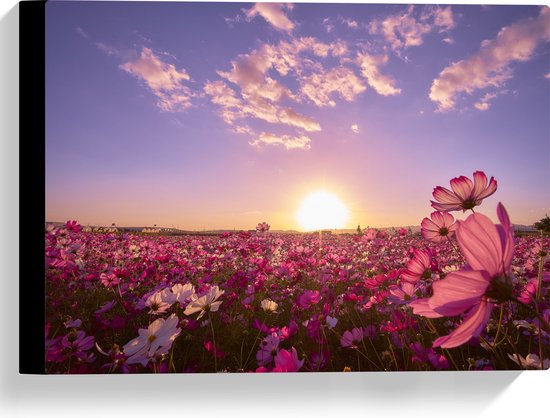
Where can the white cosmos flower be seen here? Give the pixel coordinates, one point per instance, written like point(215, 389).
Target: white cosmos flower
point(331, 322)
point(153, 341)
point(167, 296)
point(157, 303)
point(532, 361)
point(269, 306)
point(205, 303)
point(183, 291)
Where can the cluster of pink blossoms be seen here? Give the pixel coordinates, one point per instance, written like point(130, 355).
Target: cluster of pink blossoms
point(488, 250)
point(245, 302)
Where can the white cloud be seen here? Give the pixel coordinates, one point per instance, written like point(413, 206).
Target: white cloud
point(81, 32)
point(381, 83)
point(407, 29)
point(257, 86)
point(255, 106)
point(106, 49)
point(448, 40)
point(350, 23)
point(481, 106)
point(319, 87)
point(547, 75)
point(338, 48)
point(355, 128)
point(401, 30)
point(273, 13)
point(244, 129)
point(221, 94)
point(443, 18)
point(164, 80)
point(299, 142)
point(484, 103)
point(490, 67)
point(329, 27)
point(291, 117)
point(260, 96)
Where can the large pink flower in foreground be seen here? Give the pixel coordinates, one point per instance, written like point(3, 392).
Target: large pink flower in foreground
point(488, 250)
point(465, 194)
point(440, 226)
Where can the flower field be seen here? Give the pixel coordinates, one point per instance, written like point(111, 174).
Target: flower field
point(464, 295)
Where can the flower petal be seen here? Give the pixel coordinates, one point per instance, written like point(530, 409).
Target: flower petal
point(462, 186)
point(480, 243)
point(421, 307)
point(458, 291)
point(470, 327)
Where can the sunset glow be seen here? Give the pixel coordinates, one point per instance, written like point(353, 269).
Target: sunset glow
point(207, 116)
point(322, 210)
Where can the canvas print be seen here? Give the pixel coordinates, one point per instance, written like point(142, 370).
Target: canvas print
point(296, 187)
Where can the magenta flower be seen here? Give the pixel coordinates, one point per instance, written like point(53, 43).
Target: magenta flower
point(262, 227)
point(288, 331)
point(465, 194)
point(418, 267)
point(488, 250)
point(439, 227)
point(209, 346)
point(73, 226)
point(403, 293)
point(287, 361)
point(308, 298)
point(109, 279)
point(425, 355)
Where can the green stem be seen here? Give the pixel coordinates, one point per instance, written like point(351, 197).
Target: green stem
point(213, 342)
point(539, 287)
point(254, 343)
point(392, 353)
point(499, 322)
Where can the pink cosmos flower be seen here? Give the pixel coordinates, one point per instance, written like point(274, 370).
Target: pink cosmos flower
point(465, 194)
point(288, 331)
point(488, 250)
point(424, 355)
point(308, 298)
point(439, 227)
point(352, 338)
point(73, 226)
point(403, 293)
point(262, 227)
point(109, 279)
point(529, 292)
point(418, 267)
point(209, 346)
point(287, 361)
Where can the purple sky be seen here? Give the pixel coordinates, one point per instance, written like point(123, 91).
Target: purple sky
point(222, 115)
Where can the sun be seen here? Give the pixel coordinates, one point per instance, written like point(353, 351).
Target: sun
point(322, 210)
